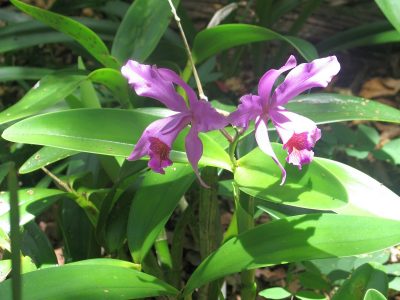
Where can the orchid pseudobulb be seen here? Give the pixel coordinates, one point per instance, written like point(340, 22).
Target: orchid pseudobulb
point(299, 134)
point(157, 139)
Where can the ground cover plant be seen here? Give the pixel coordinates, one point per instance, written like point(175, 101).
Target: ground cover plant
point(139, 159)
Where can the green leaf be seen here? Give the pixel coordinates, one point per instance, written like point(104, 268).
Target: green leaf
point(275, 293)
point(23, 73)
point(107, 262)
point(31, 203)
point(37, 246)
point(214, 40)
point(360, 202)
point(113, 80)
point(46, 92)
point(353, 34)
point(323, 184)
point(373, 294)
point(147, 218)
point(391, 9)
point(141, 29)
point(78, 130)
point(5, 268)
point(328, 108)
point(29, 26)
point(389, 152)
point(89, 282)
point(313, 187)
point(367, 276)
point(391, 36)
point(4, 241)
point(297, 238)
point(394, 284)
point(80, 33)
point(77, 232)
point(309, 295)
point(43, 158)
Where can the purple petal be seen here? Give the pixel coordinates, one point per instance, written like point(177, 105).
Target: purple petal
point(264, 143)
point(156, 141)
point(148, 81)
point(249, 109)
point(317, 73)
point(159, 155)
point(194, 151)
point(205, 117)
point(173, 77)
point(267, 82)
point(299, 135)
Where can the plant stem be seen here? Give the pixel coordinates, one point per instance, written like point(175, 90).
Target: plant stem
point(178, 241)
point(244, 213)
point(210, 226)
point(189, 53)
point(90, 209)
point(245, 221)
point(15, 234)
point(57, 180)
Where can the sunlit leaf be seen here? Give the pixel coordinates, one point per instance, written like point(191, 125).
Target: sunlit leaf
point(298, 238)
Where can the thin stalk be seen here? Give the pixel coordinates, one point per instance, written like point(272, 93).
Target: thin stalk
point(244, 212)
point(90, 209)
point(177, 243)
point(210, 226)
point(58, 181)
point(244, 218)
point(189, 53)
point(232, 150)
point(15, 235)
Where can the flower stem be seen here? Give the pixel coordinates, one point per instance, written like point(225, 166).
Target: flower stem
point(244, 213)
point(15, 235)
point(90, 209)
point(245, 221)
point(210, 232)
point(232, 150)
point(189, 53)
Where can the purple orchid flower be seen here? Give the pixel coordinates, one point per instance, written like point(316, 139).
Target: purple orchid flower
point(157, 139)
point(299, 134)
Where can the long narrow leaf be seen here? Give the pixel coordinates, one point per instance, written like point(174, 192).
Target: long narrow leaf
point(294, 239)
point(83, 35)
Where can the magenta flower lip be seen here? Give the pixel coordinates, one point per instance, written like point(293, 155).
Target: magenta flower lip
point(298, 134)
point(157, 139)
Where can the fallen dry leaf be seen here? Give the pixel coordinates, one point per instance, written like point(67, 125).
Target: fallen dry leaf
point(379, 87)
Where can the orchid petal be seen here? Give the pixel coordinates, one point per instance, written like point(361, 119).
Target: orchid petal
point(148, 81)
point(264, 143)
point(206, 117)
point(194, 151)
point(299, 135)
point(173, 77)
point(267, 81)
point(249, 109)
point(317, 73)
point(156, 141)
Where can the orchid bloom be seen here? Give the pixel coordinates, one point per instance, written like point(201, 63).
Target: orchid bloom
point(157, 139)
point(299, 134)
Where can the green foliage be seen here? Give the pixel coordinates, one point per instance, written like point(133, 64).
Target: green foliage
point(90, 281)
point(325, 224)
